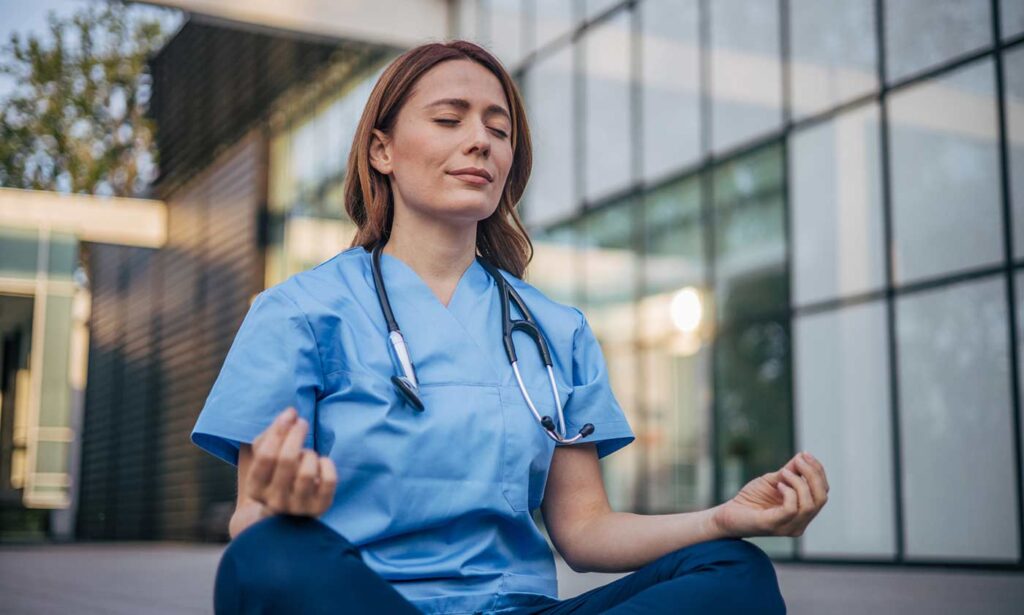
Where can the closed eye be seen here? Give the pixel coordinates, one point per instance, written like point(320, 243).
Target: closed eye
point(502, 133)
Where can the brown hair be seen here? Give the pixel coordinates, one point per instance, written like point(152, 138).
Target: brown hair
point(501, 238)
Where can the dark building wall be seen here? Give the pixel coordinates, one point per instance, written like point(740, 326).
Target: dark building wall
point(162, 323)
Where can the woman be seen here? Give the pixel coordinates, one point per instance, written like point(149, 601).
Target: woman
point(402, 503)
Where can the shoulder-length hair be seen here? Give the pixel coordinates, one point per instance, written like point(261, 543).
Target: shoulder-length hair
point(500, 238)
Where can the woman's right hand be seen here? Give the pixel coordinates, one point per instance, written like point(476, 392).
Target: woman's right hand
point(285, 477)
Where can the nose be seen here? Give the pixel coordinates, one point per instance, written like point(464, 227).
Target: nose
point(480, 140)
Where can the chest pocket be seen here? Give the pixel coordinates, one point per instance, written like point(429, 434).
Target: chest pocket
point(528, 448)
point(400, 469)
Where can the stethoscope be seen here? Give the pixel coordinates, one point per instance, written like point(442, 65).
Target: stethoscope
point(408, 386)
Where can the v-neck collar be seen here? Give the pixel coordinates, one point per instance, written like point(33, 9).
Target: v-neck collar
point(472, 305)
point(408, 280)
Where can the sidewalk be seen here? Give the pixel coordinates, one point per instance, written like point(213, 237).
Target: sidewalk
point(152, 578)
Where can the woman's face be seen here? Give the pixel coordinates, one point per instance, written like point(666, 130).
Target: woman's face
point(456, 118)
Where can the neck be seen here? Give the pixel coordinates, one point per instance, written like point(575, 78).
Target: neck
point(435, 249)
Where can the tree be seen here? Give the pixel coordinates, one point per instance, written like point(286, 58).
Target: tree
point(75, 120)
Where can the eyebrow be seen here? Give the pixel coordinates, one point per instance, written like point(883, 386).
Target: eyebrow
point(463, 104)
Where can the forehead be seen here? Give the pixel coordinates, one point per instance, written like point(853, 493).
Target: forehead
point(459, 79)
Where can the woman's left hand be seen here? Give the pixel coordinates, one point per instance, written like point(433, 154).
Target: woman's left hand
point(780, 503)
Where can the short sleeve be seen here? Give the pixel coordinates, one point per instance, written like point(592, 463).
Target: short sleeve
point(273, 363)
point(592, 400)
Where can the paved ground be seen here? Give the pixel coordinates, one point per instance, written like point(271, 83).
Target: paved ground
point(144, 578)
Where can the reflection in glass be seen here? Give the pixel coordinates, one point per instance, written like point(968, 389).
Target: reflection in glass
point(836, 208)
point(1011, 14)
point(1013, 76)
point(608, 147)
point(674, 329)
point(753, 399)
point(956, 428)
point(746, 70)
point(548, 91)
point(609, 265)
point(750, 247)
point(844, 419)
point(946, 196)
point(920, 34)
point(307, 223)
point(833, 54)
point(555, 268)
point(671, 85)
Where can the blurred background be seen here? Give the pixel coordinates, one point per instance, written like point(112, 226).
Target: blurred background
point(792, 224)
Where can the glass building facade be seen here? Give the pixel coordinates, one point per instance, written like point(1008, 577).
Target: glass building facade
point(792, 224)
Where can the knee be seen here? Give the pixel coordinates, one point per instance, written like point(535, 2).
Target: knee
point(274, 557)
point(745, 571)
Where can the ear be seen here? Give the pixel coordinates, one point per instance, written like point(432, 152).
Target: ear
point(380, 151)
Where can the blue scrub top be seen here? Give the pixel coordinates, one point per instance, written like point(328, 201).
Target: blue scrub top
point(439, 502)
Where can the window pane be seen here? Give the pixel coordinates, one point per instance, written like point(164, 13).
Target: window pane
point(608, 147)
point(507, 31)
point(555, 268)
point(750, 248)
point(959, 482)
point(746, 71)
point(675, 333)
point(596, 7)
point(671, 86)
point(673, 236)
point(1011, 14)
point(753, 398)
point(552, 20)
point(843, 418)
point(548, 85)
point(945, 174)
point(920, 34)
point(836, 201)
point(469, 14)
point(833, 54)
point(609, 265)
point(1013, 75)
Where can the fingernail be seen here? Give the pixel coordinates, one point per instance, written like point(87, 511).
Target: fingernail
point(289, 414)
point(808, 456)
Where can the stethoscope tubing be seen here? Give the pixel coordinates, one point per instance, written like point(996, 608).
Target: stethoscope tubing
point(407, 384)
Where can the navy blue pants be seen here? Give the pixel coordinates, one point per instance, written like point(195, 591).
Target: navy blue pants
point(289, 564)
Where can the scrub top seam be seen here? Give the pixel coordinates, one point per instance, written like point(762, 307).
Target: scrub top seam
point(312, 334)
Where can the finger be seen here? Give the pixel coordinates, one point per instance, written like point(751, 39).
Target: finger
point(288, 463)
point(265, 449)
point(306, 479)
point(328, 483)
point(790, 507)
point(804, 500)
point(817, 464)
point(814, 480)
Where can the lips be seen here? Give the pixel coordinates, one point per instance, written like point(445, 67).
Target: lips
point(476, 171)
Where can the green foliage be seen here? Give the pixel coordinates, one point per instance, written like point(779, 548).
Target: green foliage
point(75, 121)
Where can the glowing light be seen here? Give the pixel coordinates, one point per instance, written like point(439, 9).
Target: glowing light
point(686, 310)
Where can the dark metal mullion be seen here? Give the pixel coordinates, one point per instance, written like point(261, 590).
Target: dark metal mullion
point(579, 145)
point(890, 300)
point(636, 205)
point(906, 289)
point(787, 116)
point(1011, 292)
point(707, 209)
